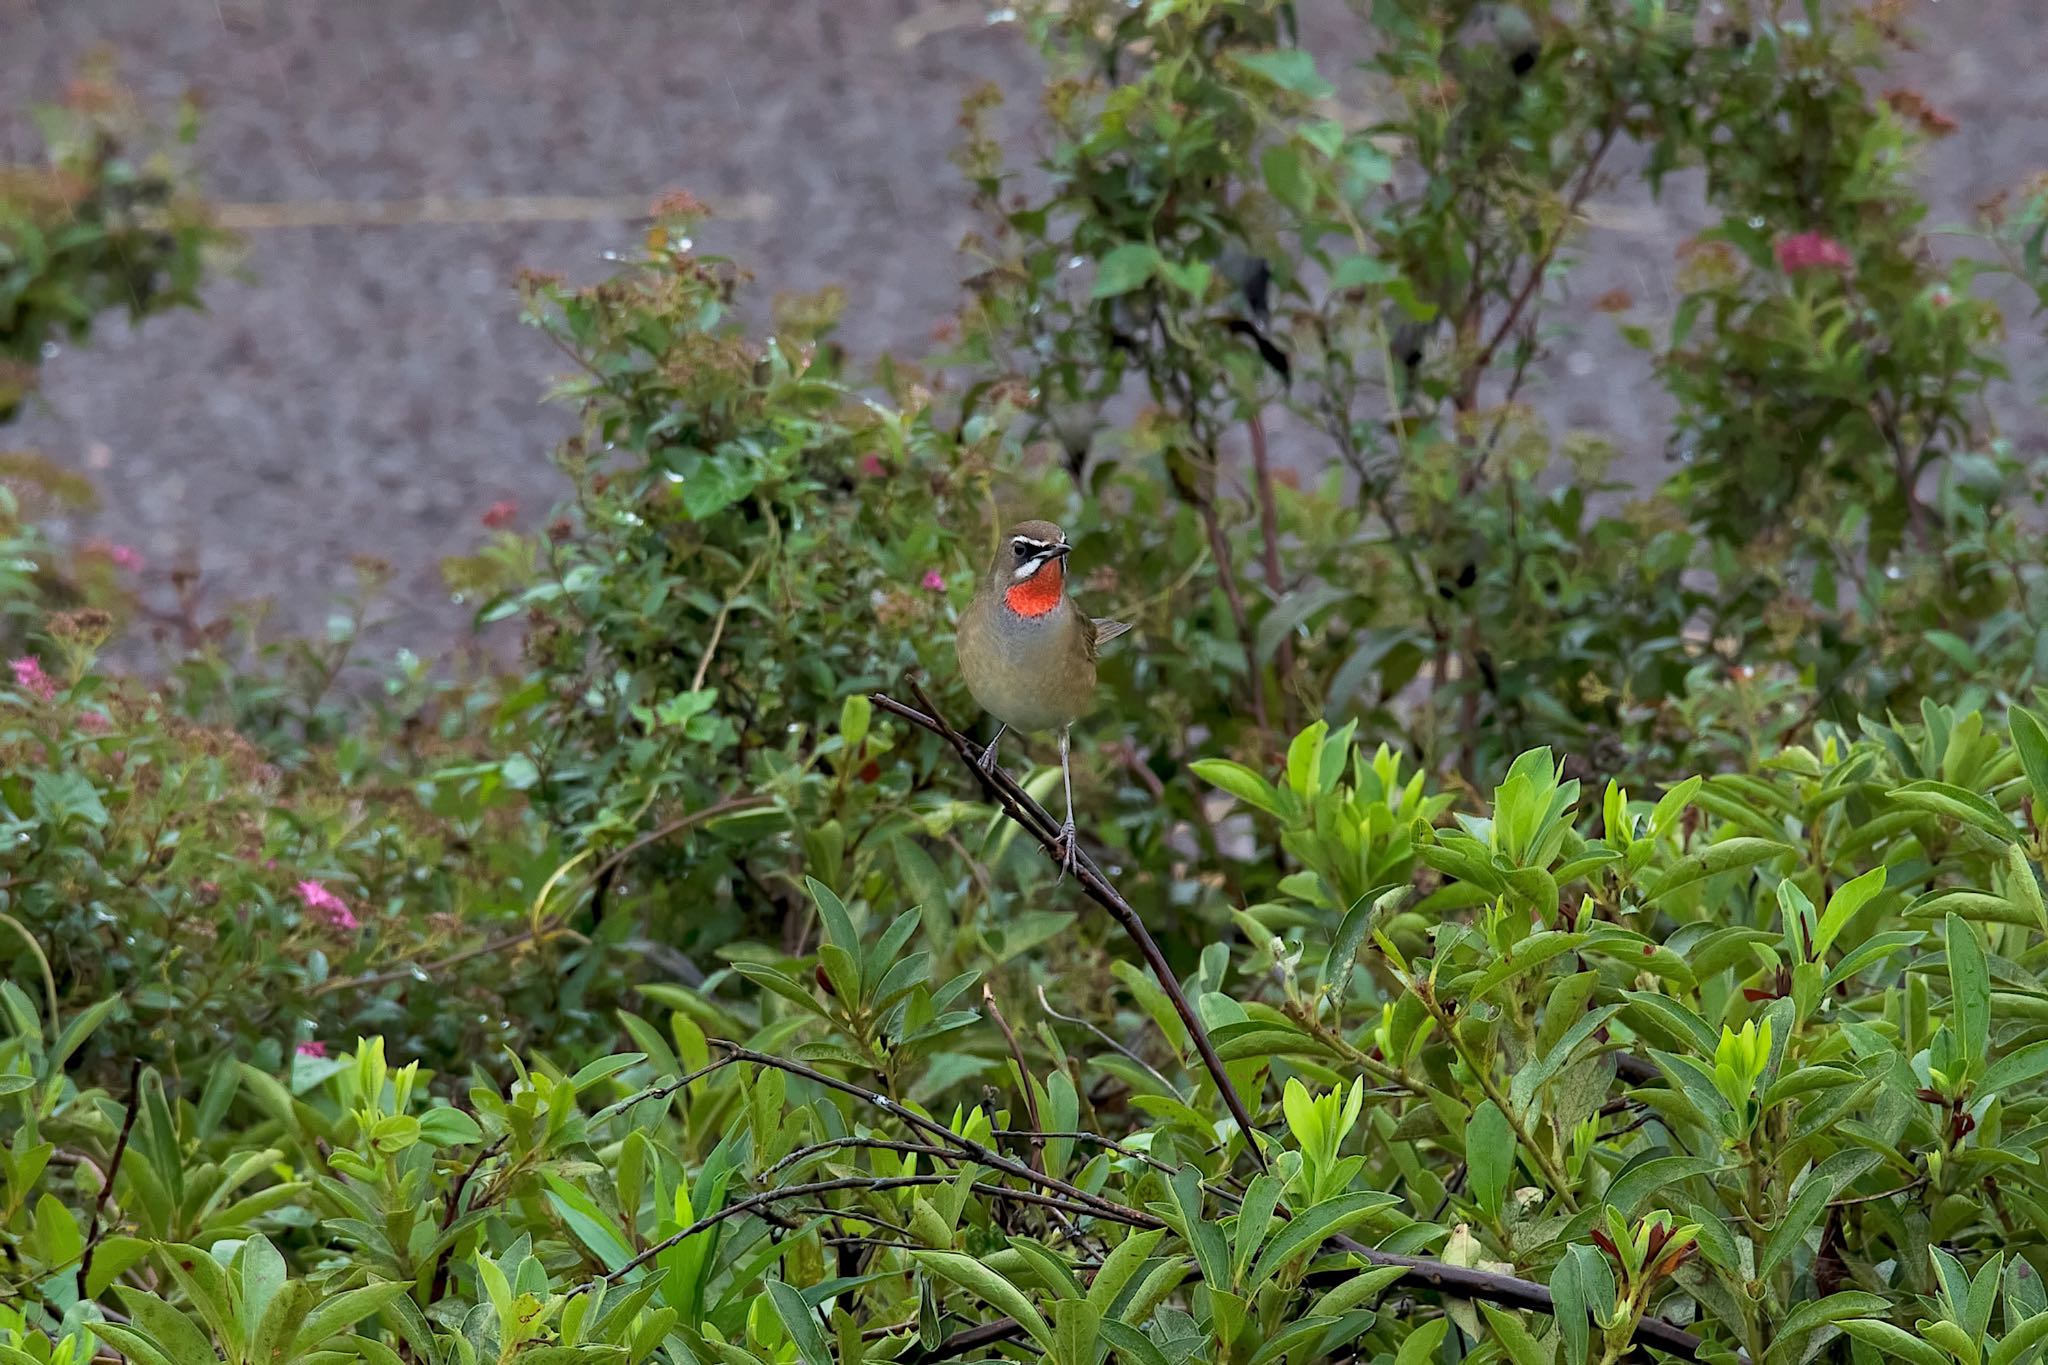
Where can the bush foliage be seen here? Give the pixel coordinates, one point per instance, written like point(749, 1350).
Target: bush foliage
point(1528, 918)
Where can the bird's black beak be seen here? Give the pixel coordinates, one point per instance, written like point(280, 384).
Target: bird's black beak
point(1061, 551)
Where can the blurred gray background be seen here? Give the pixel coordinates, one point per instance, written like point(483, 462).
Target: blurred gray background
point(370, 389)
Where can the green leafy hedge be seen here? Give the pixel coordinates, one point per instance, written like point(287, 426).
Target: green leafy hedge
point(1754, 1066)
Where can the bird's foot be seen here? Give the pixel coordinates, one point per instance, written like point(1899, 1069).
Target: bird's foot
point(987, 761)
point(1067, 849)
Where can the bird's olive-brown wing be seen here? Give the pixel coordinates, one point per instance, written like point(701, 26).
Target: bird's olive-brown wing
point(1103, 631)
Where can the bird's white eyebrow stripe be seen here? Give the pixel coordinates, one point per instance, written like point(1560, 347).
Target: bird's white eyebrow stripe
point(1022, 541)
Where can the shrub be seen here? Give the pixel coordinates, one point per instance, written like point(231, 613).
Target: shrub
point(1757, 1057)
point(222, 905)
point(110, 222)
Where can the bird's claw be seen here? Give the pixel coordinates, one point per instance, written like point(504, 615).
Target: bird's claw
point(1067, 850)
point(987, 761)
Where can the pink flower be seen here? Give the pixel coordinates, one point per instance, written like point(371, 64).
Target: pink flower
point(92, 722)
point(313, 1049)
point(30, 678)
point(500, 514)
point(934, 581)
point(1812, 251)
point(871, 466)
point(126, 558)
point(329, 908)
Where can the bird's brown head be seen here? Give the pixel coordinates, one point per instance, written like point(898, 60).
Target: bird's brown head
point(1029, 568)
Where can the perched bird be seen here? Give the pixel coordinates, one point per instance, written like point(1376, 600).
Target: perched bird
point(1027, 653)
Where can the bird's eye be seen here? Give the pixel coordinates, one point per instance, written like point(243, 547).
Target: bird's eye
point(1022, 553)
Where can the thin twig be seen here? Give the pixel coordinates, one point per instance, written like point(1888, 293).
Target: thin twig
point(99, 1206)
point(1126, 1053)
point(1906, 1188)
point(454, 1208)
point(988, 998)
point(1032, 818)
point(657, 1092)
point(1453, 1281)
point(874, 1144)
point(976, 1151)
point(1269, 536)
point(762, 1200)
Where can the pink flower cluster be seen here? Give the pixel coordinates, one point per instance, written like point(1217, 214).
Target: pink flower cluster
point(934, 581)
point(327, 907)
point(1812, 251)
point(30, 678)
point(500, 514)
point(313, 1049)
point(123, 557)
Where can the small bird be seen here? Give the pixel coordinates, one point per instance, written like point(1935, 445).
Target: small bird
point(1028, 654)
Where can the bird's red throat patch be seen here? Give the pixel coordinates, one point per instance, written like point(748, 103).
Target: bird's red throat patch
point(1038, 594)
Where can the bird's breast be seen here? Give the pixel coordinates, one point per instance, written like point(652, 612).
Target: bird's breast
point(1029, 673)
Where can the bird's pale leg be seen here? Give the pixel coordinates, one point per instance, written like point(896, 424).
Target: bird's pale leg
point(1068, 847)
point(987, 761)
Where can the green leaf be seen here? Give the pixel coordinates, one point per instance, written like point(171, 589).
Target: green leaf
point(60, 797)
point(1636, 1184)
point(1819, 1313)
point(1895, 1342)
point(345, 1310)
point(1805, 1211)
point(1420, 1347)
point(2030, 737)
point(1127, 267)
point(800, 1322)
point(1489, 1156)
point(1969, 988)
point(80, 1027)
point(112, 1257)
point(1531, 953)
point(139, 1349)
point(1286, 179)
point(1240, 781)
point(1850, 897)
point(1120, 1267)
point(839, 928)
point(171, 1330)
point(1313, 1227)
point(1204, 1237)
point(1955, 803)
point(259, 1273)
point(447, 1126)
point(1076, 1326)
point(1289, 68)
point(1131, 1345)
point(1254, 1218)
point(592, 1228)
point(1727, 856)
point(1580, 1286)
point(1516, 1340)
point(281, 1321)
point(2019, 1340)
point(1356, 272)
point(991, 1288)
point(2015, 1067)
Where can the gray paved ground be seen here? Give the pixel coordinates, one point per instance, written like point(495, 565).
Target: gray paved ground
point(370, 389)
